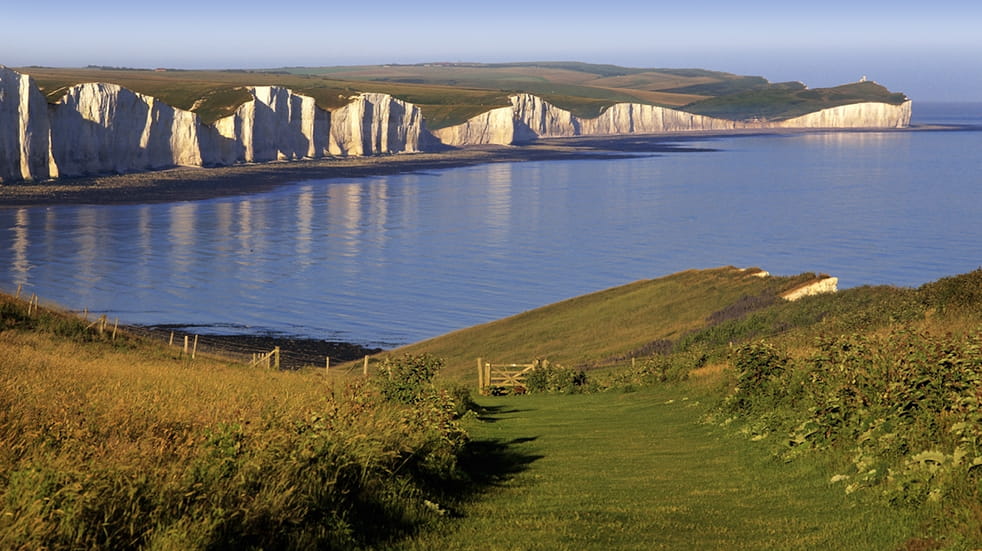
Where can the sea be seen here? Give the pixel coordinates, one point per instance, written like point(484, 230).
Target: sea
point(389, 260)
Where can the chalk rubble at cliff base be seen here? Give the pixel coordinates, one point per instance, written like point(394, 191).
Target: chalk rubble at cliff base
point(100, 128)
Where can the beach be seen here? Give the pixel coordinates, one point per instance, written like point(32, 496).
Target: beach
point(196, 183)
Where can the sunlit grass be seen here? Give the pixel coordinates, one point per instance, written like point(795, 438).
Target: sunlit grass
point(639, 471)
point(126, 445)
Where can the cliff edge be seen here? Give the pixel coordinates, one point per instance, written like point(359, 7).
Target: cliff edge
point(100, 128)
point(530, 118)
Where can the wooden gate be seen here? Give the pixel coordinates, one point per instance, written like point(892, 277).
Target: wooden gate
point(500, 378)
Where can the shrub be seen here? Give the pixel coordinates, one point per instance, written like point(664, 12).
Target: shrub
point(758, 366)
point(555, 378)
point(407, 379)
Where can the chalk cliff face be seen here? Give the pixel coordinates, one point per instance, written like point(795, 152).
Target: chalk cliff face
point(24, 128)
point(99, 128)
point(104, 128)
point(856, 115)
point(374, 124)
point(530, 117)
point(496, 126)
point(275, 125)
point(820, 286)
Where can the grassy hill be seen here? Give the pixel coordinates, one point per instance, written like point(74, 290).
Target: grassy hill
point(872, 392)
point(450, 93)
point(609, 327)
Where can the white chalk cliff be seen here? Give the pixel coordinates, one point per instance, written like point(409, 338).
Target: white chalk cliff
point(24, 129)
point(99, 128)
point(821, 285)
point(530, 117)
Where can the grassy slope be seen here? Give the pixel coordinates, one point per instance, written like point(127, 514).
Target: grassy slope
point(124, 444)
point(788, 100)
point(603, 328)
point(584, 471)
point(449, 94)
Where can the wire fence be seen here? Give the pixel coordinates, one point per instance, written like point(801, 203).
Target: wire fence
point(294, 352)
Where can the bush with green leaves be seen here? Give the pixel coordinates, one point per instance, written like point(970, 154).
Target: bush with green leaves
point(902, 410)
point(548, 377)
point(759, 366)
point(407, 379)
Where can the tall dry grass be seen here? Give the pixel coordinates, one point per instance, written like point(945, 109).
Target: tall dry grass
point(124, 446)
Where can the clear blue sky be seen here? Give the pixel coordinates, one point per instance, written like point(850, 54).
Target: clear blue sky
point(932, 51)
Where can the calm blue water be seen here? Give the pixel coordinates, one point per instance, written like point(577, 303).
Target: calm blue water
point(396, 259)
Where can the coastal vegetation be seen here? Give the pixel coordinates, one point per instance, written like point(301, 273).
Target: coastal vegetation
point(450, 93)
point(707, 412)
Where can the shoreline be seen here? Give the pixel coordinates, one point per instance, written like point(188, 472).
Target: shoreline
point(200, 183)
point(295, 352)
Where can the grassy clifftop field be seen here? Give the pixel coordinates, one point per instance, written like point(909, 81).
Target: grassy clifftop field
point(849, 420)
point(450, 93)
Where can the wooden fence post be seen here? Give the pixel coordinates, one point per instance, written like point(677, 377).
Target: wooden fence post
point(171, 343)
point(364, 368)
point(115, 327)
point(276, 358)
point(195, 349)
point(480, 376)
point(327, 364)
point(185, 353)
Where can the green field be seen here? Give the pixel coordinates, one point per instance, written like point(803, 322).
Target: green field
point(450, 93)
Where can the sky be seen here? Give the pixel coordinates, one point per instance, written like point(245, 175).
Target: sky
point(931, 51)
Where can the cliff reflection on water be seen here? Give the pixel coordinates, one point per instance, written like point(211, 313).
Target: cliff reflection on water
point(388, 260)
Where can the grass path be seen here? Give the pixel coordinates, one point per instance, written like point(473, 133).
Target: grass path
point(638, 471)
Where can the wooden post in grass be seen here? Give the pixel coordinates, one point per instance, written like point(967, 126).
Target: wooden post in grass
point(276, 358)
point(171, 343)
point(195, 349)
point(185, 353)
point(327, 364)
point(364, 368)
point(115, 327)
point(480, 376)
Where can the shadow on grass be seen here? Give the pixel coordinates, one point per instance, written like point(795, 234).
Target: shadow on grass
point(486, 463)
point(491, 414)
point(491, 462)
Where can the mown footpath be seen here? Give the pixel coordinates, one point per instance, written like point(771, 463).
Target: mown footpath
point(643, 470)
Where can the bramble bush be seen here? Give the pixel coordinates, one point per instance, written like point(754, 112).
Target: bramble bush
point(555, 378)
point(407, 379)
point(904, 409)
